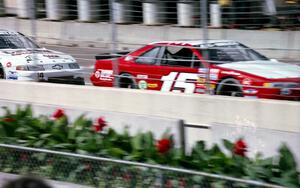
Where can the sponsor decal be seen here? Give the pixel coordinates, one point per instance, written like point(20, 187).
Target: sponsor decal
point(202, 75)
point(246, 81)
point(28, 58)
point(106, 75)
point(8, 64)
point(97, 74)
point(231, 73)
point(212, 86)
point(199, 90)
point(12, 75)
point(214, 74)
point(57, 67)
point(201, 80)
point(217, 44)
point(142, 84)
point(141, 76)
point(40, 75)
point(285, 91)
point(250, 91)
point(152, 85)
point(202, 70)
point(52, 56)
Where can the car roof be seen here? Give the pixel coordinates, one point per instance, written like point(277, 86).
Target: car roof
point(6, 31)
point(192, 42)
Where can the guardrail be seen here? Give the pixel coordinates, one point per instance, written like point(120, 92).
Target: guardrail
point(105, 172)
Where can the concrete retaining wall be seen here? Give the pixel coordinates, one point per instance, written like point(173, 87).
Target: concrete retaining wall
point(194, 109)
point(274, 44)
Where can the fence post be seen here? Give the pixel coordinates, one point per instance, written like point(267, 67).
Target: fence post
point(121, 11)
point(2, 8)
point(185, 13)
point(115, 63)
point(88, 10)
point(203, 7)
point(152, 12)
point(215, 15)
point(24, 8)
point(182, 135)
point(56, 9)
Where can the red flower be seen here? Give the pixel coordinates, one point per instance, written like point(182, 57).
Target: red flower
point(8, 120)
point(58, 113)
point(163, 145)
point(88, 167)
point(182, 183)
point(240, 148)
point(101, 123)
point(169, 184)
point(24, 157)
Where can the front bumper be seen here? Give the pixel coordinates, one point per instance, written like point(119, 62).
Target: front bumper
point(274, 93)
point(57, 76)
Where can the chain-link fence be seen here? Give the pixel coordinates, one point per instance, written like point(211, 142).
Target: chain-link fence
point(220, 13)
point(104, 172)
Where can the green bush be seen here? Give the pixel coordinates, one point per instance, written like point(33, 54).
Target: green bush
point(85, 136)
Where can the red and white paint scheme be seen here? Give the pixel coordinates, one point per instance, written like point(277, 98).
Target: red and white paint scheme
point(22, 59)
point(220, 67)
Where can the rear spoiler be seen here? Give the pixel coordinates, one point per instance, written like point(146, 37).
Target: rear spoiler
point(111, 56)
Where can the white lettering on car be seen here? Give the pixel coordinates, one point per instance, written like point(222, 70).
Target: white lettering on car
point(184, 82)
point(106, 75)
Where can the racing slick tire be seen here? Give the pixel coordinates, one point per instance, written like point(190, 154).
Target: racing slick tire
point(72, 81)
point(126, 80)
point(229, 87)
point(2, 72)
point(79, 81)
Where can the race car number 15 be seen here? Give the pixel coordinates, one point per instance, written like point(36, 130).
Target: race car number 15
point(184, 82)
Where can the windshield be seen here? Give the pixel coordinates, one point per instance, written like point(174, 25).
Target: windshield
point(231, 53)
point(15, 41)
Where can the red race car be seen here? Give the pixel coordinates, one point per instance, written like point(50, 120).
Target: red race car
point(220, 67)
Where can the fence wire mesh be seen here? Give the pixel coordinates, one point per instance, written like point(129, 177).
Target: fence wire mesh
point(104, 172)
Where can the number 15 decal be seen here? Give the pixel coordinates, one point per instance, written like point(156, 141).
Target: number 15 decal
point(184, 82)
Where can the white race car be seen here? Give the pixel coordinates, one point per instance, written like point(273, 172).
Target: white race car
point(22, 59)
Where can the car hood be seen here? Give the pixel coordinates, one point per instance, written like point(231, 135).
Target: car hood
point(34, 56)
point(266, 69)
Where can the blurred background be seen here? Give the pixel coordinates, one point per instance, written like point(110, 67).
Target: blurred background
point(85, 28)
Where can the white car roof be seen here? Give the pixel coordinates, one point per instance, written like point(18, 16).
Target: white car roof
point(194, 42)
point(5, 31)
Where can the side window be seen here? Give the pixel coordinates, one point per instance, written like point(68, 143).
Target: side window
point(149, 57)
point(218, 55)
point(178, 56)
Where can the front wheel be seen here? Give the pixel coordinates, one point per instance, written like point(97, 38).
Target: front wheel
point(230, 87)
point(2, 73)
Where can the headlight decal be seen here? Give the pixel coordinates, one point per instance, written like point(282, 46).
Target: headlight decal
point(282, 85)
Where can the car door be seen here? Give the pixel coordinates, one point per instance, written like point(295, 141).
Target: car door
point(167, 68)
point(180, 67)
point(145, 70)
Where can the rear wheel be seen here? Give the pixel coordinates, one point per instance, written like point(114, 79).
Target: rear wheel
point(230, 87)
point(126, 81)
